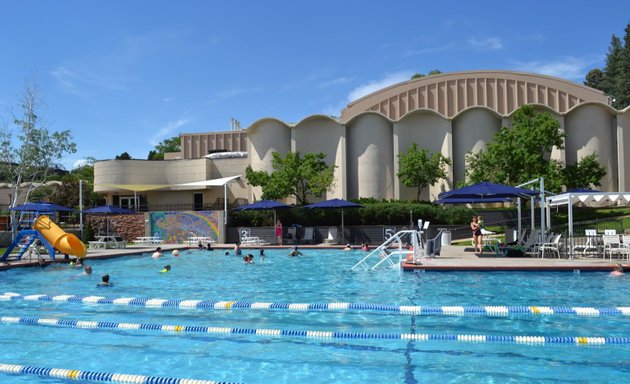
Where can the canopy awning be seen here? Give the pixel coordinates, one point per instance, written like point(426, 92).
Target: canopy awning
point(150, 187)
point(589, 198)
point(136, 187)
point(208, 183)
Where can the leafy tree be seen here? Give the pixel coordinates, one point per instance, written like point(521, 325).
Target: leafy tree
point(615, 78)
point(295, 176)
point(123, 156)
point(35, 152)
point(595, 79)
point(68, 193)
point(419, 169)
point(418, 74)
point(167, 145)
point(586, 172)
point(519, 154)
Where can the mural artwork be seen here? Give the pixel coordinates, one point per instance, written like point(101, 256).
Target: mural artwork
point(176, 227)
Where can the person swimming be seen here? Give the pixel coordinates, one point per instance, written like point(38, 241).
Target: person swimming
point(104, 281)
point(158, 253)
point(618, 271)
point(295, 252)
point(166, 269)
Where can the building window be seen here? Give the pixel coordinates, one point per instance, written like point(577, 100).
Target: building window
point(198, 201)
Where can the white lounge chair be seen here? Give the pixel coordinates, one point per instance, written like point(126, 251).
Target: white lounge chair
point(308, 235)
point(332, 236)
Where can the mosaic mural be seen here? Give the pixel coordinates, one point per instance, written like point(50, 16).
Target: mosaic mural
point(177, 227)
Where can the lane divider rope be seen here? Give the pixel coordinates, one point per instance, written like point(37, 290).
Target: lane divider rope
point(181, 329)
point(101, 377)
point(470, 310)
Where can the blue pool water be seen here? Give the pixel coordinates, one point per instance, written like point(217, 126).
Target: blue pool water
point(318, 276)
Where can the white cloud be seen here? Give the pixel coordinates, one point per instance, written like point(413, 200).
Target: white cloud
point(486, 44)
point(336, 81)
point(423, 51)
point(79, 163)
point(168, 99)
point(375, 85)
point(168, 131)
point(571, 68)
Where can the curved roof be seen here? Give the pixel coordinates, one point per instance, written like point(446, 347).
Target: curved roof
point(450, 93)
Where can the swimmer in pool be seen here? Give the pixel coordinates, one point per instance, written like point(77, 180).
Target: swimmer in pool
point(105, 281)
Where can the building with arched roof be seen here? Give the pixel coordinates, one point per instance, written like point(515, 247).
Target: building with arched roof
point(451, 113)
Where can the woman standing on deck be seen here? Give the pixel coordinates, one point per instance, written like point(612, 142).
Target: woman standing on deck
point(279, 232)
point(476, 232)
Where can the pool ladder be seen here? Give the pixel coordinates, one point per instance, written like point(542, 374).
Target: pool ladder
point(393, 257)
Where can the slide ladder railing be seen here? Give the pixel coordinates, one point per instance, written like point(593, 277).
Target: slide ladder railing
point(393, 257)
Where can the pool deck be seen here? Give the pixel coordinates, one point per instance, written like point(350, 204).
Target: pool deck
point(452, 258)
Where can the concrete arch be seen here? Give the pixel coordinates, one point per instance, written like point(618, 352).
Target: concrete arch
point(370, 158)
point(592, 129)
point(265, 137)
point(431, 131)
point(319, 133)
point(471, 133)
point(451, 93)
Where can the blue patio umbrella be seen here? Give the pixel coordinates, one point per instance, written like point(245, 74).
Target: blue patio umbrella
point(108, 210)
point(263, 205)
point(486, 190)
point(334, 203)
point(40, 207)
point(471, 200)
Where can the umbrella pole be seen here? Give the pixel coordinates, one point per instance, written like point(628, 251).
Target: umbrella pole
point(342, 236)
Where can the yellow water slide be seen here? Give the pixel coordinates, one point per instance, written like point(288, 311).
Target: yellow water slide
point(64, 242)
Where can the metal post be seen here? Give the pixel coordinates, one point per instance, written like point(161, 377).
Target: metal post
point(532, 207)
point(542, 209)
point(518, 208)
point(225, 203)
point(81, 207)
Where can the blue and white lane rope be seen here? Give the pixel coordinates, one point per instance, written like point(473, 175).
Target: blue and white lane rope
point(180, 329)
point(101, 377)
point(470, 310)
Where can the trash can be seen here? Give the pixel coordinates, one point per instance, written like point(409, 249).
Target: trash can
point(446, 237)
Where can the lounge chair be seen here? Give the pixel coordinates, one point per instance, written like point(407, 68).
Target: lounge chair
point(552, 246)
point(332, 236)
point(308, 235)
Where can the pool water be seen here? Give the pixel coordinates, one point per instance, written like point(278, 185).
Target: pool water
point(320, 276)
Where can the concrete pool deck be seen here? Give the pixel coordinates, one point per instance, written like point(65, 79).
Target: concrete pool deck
point(452, 258)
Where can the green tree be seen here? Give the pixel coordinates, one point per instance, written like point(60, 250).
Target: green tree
point(123, 156)
point(588, 171)
point(295, 176)
point(167, 145)
point(419, 75)
point(595, 79)
point(521, 153)
point(67, 194)
point(615, 77)
point(418, 169)
point(29, 159)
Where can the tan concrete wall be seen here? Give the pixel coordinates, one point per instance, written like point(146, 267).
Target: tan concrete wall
point(623, 141)
point(591, 129)
point(148, 172)
point(472, 131)
point(370, 157)
point(197, 145)
point(429, 131)
point(265, 137)
point(323, 134)
point(451, 93)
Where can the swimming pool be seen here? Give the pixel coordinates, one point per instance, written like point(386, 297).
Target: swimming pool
point(320, 276)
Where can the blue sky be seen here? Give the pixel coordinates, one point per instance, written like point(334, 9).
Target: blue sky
point(124, 75)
